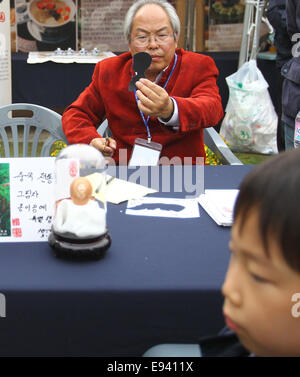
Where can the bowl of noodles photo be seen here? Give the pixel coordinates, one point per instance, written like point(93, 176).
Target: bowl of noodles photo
point(50, 18)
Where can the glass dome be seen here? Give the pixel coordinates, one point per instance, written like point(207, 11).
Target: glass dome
point(80, 204)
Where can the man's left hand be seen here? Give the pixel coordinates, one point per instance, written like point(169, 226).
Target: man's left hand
point(153, 99)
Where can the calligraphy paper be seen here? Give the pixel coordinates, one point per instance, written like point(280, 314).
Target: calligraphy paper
point(29, 200)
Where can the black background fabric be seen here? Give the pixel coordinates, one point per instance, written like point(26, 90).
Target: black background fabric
point(57, 85)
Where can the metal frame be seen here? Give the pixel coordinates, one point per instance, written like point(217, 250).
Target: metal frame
point(253, 17)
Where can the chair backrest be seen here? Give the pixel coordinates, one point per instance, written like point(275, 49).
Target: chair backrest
point(104, 130)
point(216, 144)
point(40, 129)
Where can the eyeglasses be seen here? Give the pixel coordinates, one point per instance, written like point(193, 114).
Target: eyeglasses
point(144, 40)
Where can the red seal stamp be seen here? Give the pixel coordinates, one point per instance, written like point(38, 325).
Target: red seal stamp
point(73, 169)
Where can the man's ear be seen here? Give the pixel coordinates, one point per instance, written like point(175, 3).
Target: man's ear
point(176, 39)
point(129, 47)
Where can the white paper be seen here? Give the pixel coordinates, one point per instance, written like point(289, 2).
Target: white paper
point(163, 207)
point(31, 198)
point(219, 204)
point(117, 190)
point(35, 57)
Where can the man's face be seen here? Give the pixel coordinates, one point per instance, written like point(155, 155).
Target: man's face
point(152, 20)
point(258, 294)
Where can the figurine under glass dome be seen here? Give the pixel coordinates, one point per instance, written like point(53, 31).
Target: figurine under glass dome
point(79, 225)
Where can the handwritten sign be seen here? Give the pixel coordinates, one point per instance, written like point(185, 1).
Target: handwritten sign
point(27, 198)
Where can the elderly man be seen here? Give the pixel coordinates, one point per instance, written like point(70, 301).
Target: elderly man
point(176, 100)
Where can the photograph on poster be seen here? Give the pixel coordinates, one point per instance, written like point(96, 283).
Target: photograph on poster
point(4, 200)
point(44, 25)
point(225, 24)
point(101, 24)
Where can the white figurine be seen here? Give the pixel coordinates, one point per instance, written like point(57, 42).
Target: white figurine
point(81, 215)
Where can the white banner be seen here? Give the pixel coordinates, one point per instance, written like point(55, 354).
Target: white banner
point(5, 54)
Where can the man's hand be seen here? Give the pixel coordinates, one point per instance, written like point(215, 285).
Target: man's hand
point(106, 146)
point(153, 99)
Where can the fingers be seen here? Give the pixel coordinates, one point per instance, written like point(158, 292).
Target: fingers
point(149, 86)
point(145, 102)
point(106, 146)
point(150, 90)
point(153, 99)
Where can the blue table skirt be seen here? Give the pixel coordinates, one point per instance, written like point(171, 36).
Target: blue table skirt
point(159, 282)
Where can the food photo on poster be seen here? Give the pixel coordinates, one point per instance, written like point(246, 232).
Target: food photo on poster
point(45, 25)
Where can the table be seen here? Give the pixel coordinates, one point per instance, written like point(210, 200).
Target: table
point(159, 282)
point(55, 85)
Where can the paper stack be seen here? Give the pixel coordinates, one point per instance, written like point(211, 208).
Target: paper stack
point(219, 205)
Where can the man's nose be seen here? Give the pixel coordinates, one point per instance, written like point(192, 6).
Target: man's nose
point(152, 42)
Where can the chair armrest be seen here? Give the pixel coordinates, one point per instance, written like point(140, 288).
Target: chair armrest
point(216, 144)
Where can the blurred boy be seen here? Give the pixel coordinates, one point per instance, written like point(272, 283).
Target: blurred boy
point(263, 278)
point(264, 270)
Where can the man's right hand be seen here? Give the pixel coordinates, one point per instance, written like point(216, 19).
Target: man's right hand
point(106, 146)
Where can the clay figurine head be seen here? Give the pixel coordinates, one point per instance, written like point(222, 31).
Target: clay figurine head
point(81, 190)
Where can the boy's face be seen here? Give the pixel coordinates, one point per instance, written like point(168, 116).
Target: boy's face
point(258, 294)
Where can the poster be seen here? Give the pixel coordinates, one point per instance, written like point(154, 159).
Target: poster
point(45, 25)
point(39, 25)
point(5, 54)
point(26, 199)
point(225, 25)
point(102, 23)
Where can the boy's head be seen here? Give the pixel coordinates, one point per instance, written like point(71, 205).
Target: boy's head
point(263, 276)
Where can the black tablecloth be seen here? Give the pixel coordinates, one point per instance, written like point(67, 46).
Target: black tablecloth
point(57, 85)
point(159, 282)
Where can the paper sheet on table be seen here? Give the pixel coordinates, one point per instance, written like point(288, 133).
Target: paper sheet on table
point(35, 57)
point(163, 207)
point(219, 204)
point(118, 190)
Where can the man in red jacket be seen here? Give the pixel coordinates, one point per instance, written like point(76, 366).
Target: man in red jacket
point(172, 105)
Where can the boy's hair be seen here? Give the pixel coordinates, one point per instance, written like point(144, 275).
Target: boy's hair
point(273, 188)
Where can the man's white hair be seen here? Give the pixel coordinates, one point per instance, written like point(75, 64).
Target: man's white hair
point(167, 7)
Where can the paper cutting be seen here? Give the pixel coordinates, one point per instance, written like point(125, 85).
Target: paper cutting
point(141, 61)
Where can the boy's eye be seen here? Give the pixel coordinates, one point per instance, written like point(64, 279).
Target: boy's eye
point(258, 278)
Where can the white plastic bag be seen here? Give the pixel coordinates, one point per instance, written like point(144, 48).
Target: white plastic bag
point(250, 123)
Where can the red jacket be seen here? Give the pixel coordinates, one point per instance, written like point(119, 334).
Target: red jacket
point(192, 85)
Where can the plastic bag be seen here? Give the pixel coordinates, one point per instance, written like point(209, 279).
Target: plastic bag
point(250, 123)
